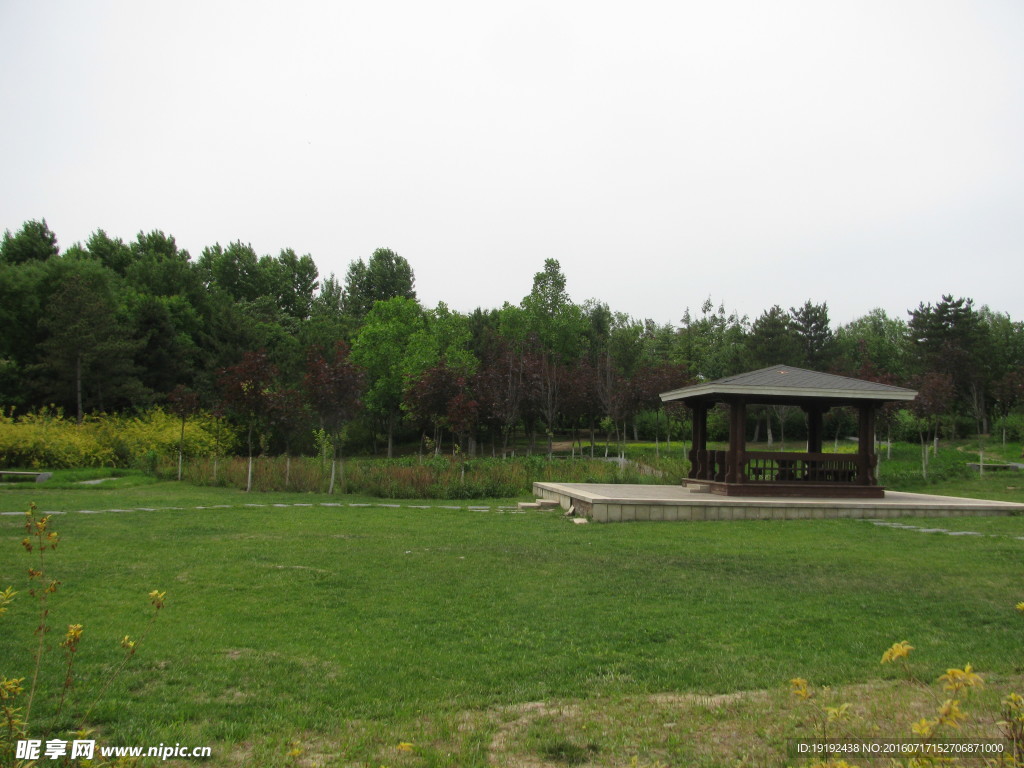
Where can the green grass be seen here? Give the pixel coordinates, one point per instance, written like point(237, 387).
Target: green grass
point(351, 629)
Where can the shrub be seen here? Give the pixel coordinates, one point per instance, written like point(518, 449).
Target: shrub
point(45, 439)
point(1013, 426)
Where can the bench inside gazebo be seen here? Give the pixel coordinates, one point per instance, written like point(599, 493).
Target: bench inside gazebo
point(812, 473)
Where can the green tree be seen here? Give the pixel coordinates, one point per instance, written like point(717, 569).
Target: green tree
point(159, 268)
point(874, 346)
point(112, 253)
point(712, 345)
point(381, 349)
point(24, 290)
point(294, 279)
point(548, 295)
point(773, 340)
point(166, 355)
point(235, 270)
point(950, 338)
point(385, 276)
point(557, 330)
point(810, 323)
point(87, 356)
point(444, 337)
point(33, 242)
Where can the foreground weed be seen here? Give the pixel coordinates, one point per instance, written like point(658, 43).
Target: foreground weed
point(1012, 725)
point(17, 749)
point(949, 717)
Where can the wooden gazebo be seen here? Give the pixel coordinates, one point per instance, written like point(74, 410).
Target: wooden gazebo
point(739, 472)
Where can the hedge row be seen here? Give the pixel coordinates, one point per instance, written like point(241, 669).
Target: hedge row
point(48, 440)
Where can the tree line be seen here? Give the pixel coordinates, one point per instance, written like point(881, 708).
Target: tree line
point(299, 361)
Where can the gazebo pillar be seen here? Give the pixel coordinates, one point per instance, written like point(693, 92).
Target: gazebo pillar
point(866, 444)
point(699, 450)
point(735, 459)
point(814, 427)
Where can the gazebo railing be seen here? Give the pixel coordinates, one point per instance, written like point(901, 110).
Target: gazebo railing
point(786, 467)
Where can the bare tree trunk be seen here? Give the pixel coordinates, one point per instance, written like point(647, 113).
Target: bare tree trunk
point(78, 386)
point(924, 457)
point(181, 447)
point(248, 481)
point(657, 434)
point(216, 455)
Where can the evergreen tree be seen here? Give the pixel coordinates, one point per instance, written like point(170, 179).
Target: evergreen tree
point(386, 276)
point(33, 242)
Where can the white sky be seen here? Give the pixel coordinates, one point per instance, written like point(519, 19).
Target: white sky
point(863, 153)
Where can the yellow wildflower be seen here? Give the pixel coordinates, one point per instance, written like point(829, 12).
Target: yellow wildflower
point(1014, 701)
point(800, 688)
point(10, 688)
point(836, 713)
point(157, 599)
point(924, 728)
point(5, 598)
point(72, 636)
point(959, 679)
point(404, 746)
point(1020, 607)
point(898, 650)
point(950, 713)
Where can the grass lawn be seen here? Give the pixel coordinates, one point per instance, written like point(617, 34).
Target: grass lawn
point(400, 636)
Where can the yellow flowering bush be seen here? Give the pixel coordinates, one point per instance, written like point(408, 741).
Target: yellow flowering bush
point(46, 439)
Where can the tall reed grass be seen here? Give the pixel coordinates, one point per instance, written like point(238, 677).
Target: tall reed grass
point(412, 477)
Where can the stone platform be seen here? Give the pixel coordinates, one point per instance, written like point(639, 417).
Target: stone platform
point(611, 503)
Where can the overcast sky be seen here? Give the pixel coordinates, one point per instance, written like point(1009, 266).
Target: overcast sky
point(857, 153)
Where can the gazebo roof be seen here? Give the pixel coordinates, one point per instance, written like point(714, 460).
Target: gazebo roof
point(784, 383)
